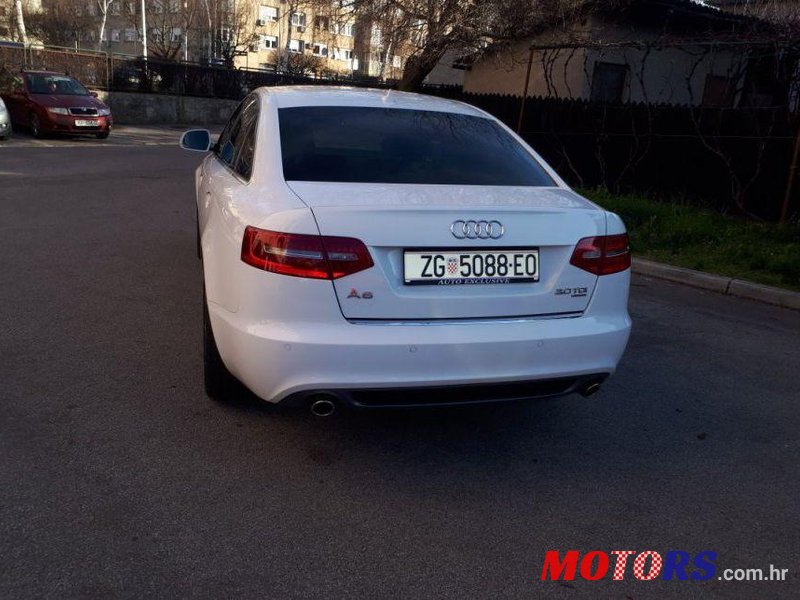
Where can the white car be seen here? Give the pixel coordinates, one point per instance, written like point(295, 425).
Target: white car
point(5, 122)
point(370, 248)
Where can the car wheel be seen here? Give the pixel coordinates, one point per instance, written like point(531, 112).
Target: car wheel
point(102, 135)
point(220, 384)
point(36, 126)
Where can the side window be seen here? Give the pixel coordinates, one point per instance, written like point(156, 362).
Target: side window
point(247, 140)
point(608, 82)
point(236, 145)
point(225, 148)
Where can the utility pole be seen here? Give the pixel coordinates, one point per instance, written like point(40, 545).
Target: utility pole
point(792, 175)
point(525, 92)
point(144, 31)
point(186, 31)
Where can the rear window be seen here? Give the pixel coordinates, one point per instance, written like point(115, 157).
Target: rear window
point(384, 145)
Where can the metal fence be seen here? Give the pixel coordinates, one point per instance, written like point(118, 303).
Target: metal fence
point(737, 159)
point(121, 73)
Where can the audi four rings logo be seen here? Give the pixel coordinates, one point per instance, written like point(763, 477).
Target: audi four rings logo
point(477, 230)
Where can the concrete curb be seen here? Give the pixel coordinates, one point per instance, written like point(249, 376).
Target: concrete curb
point(718, 283)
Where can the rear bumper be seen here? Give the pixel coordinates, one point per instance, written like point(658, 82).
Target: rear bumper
point(282, 361)
point(454, 395)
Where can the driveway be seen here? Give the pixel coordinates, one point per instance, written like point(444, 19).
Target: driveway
point(119, 478)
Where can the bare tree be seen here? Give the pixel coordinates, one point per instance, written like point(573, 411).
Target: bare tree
point(169, 20)
point(63, 23)
point(102, 8)
point(23, 34)
point(296, 13)
point(429, 29)
point(298, 63)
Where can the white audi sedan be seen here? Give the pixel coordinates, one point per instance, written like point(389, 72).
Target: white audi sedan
point(366, 248)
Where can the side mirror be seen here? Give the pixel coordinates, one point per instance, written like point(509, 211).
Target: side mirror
point(197, 140)
point(93, 94)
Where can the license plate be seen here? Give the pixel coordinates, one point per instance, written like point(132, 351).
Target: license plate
point(472, 267)
point(84, 123)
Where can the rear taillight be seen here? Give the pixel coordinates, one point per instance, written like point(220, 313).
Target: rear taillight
point(602, 255)
point(299, 255)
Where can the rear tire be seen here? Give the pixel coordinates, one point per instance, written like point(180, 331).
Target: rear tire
point(102, 135)
point(219, 383)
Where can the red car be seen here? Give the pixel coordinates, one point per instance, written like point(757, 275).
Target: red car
point(47, 103)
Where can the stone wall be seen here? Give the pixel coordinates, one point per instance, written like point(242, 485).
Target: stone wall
point(159, 109)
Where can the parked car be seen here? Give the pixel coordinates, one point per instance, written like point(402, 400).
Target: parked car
point(54, 103)
point(5, 122)
point(379, 249)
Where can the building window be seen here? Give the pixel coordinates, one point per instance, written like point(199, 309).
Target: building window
point(320, 50)
point(608, 82)
point(131, 7)
point(397, 61)
point(130, 35)
point(348, 29)
point(90, 10)
point(297, 46)
point(175, 36)
point(322, 23)
point(115, 8)
point(267, 14)
point(718, 91)
point(156, 35)
point(114, 35)
point(299, 19)
point(265, 42)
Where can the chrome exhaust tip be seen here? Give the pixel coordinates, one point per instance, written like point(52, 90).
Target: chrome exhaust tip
point(590, 389)
point(323, 407)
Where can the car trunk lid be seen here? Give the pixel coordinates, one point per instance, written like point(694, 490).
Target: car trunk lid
point(392, 219)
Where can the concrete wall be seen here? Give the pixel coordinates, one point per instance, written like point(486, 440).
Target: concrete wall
point(444, 73)
point(555, 74)
point(152, 109)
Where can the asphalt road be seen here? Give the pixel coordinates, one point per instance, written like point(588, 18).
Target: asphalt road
point(119, 478)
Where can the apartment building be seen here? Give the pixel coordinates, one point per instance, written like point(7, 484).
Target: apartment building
point(319, 39)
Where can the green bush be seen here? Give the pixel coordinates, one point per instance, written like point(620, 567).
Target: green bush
point(697, 238)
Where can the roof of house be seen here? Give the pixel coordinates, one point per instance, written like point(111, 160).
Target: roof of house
point(674, 19)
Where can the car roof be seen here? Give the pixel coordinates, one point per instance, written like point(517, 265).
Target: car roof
point(317, 95)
